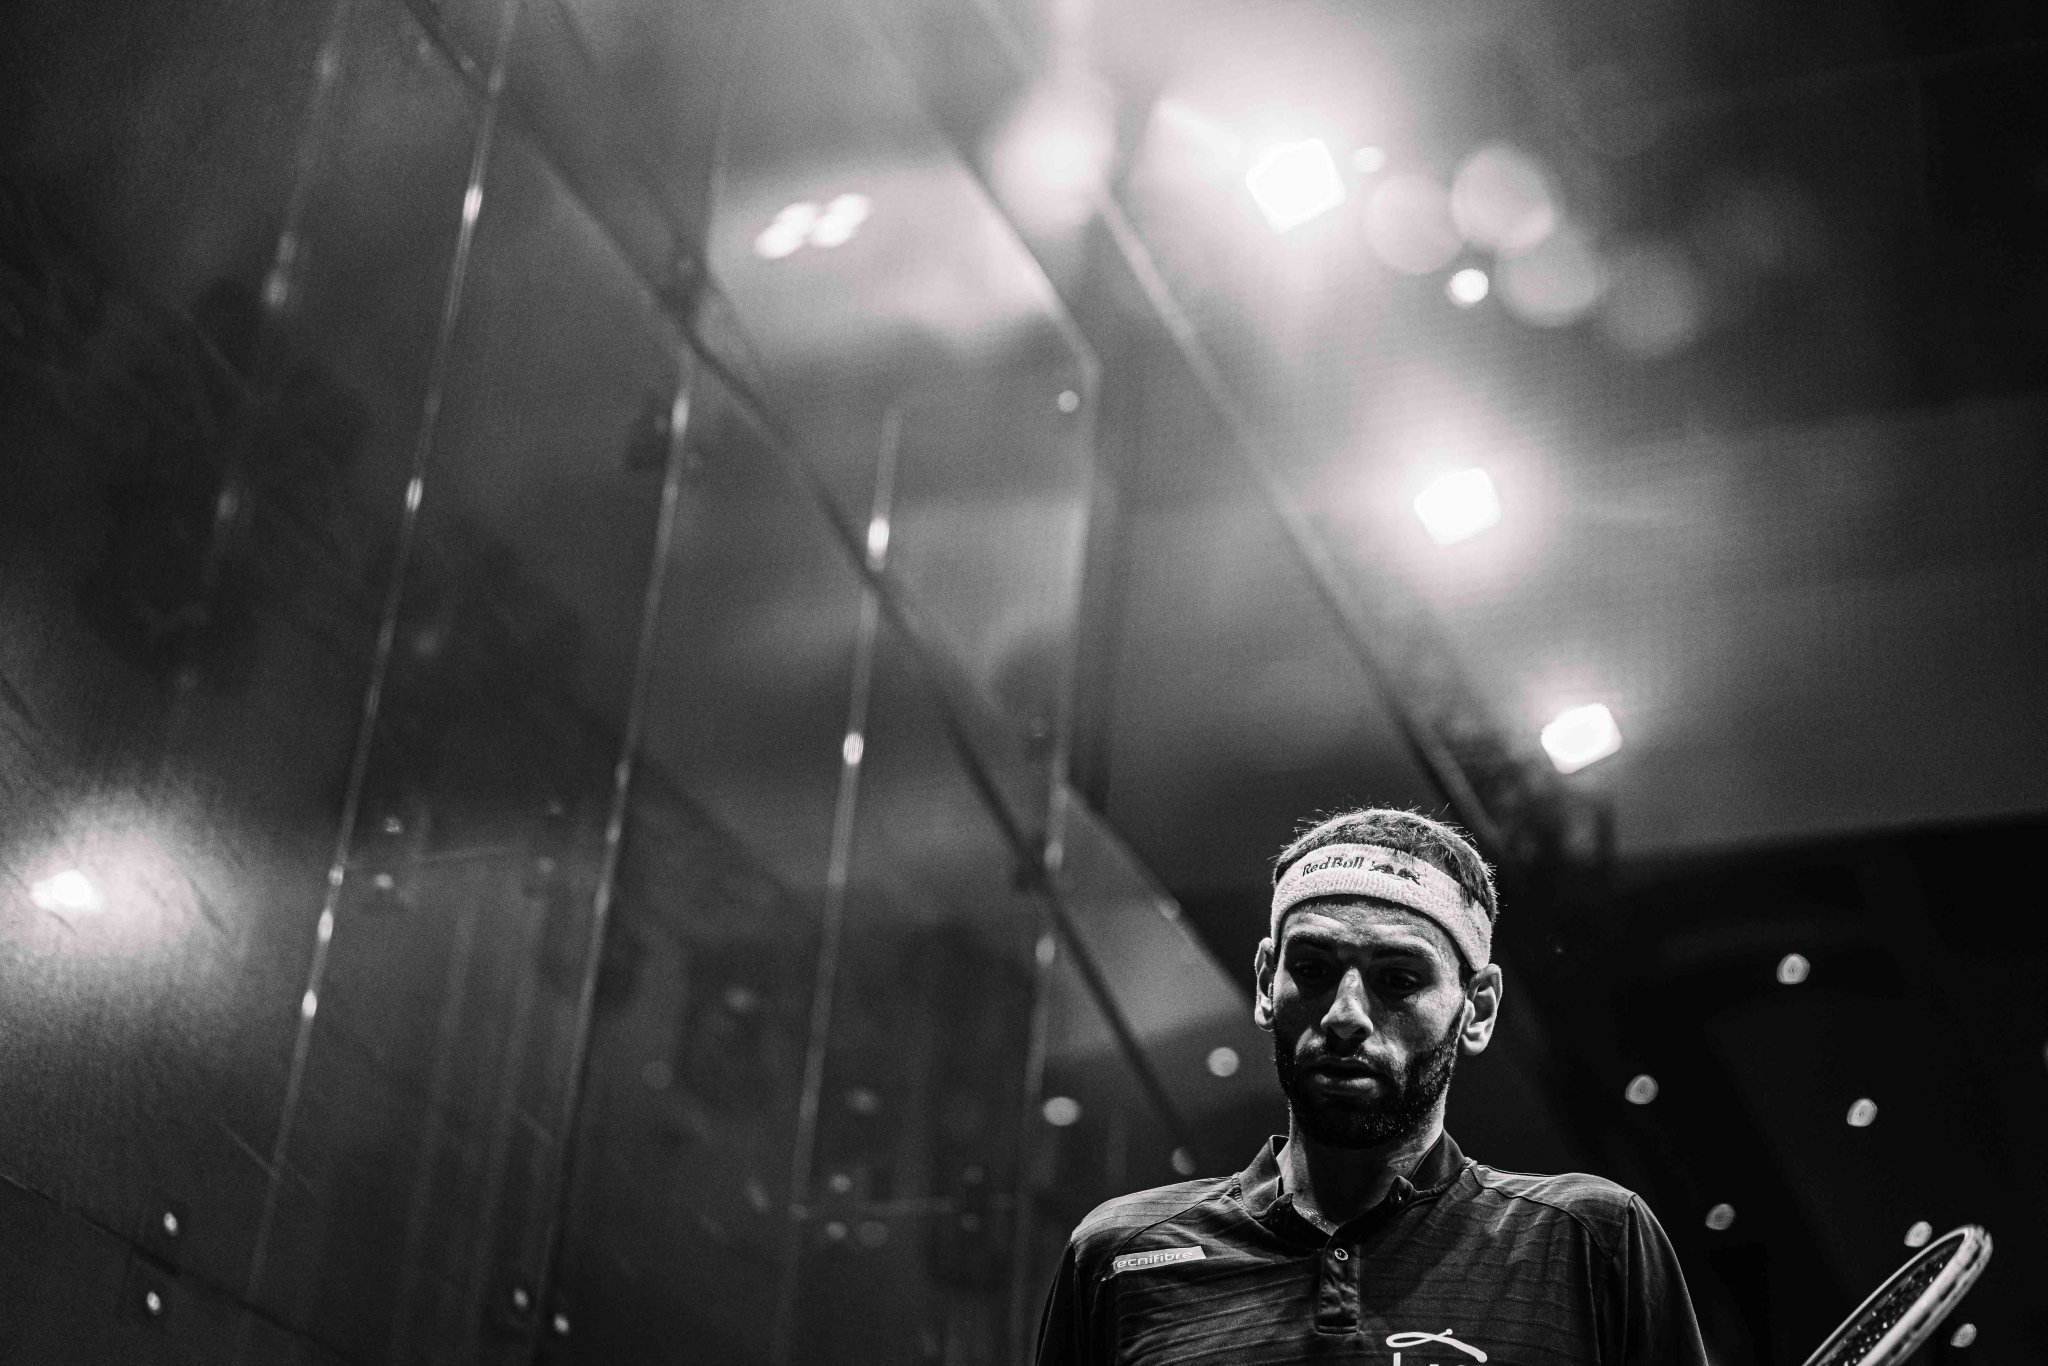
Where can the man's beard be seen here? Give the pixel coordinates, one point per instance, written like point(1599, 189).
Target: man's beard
point(1403, 1105)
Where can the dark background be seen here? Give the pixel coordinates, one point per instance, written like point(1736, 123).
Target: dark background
point(438, 579)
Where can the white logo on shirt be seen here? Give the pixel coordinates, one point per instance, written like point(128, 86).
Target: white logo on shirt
point(1165, 1256)
point(1399, 1340)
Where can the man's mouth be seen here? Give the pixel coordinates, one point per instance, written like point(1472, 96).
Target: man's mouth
point(1345, 1078)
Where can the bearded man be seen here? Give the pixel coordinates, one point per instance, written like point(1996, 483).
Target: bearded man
point(1365, 1235)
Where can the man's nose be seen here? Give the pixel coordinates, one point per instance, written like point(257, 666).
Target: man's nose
point(1349, 1015)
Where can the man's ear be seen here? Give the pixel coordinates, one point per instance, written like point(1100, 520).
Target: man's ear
point(1482, 1009)
point(1263, 963)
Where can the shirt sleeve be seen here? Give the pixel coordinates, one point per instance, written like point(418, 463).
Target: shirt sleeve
point(1651, 1310)
point(1073, 1331)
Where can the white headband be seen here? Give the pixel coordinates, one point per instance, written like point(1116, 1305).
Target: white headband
point(1389, 875)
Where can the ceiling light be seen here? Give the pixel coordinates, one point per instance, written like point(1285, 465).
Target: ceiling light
point(1458, 506)
point(791, 228)
point(1295, 182)
point(1581, 736)
point(68, 893)
point(840, 220)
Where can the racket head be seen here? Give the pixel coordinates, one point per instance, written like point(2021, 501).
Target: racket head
point(1903, 1313)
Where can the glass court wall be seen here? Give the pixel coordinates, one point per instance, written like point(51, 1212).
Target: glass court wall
point(532, 804)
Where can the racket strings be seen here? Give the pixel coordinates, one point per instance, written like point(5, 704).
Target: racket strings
point(1877, 1320)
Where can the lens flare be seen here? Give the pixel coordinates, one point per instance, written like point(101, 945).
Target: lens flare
point(1501, 201)
point(1408, 225)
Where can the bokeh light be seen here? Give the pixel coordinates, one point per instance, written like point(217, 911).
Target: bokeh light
point(1556, 283)
point(1655, 304)
point(1918, 1235)
point(1963, 1336)
point(1580, 736)
point(1642, 1089)
point(1458, 506)
point(1183, 1162)
point(1721, 1217)
point(1408, 225)
point(1049, 160)
point(1501, 200)
point(1061, 1111)
point(1793, 969)
point(1863, 1113)
point(1468, 286)
point(1223, 1062)
point(1295, 182)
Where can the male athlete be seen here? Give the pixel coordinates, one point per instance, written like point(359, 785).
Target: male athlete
point(1366, 1235)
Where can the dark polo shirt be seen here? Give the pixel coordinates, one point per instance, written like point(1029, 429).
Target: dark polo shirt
point(1464, 1264)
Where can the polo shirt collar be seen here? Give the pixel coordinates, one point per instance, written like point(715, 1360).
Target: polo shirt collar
point(1260, 1187)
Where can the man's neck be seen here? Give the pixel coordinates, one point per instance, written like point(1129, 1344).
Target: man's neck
point(1333, 1186)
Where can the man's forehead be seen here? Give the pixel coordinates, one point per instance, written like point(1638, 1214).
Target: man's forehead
point(1367, 922)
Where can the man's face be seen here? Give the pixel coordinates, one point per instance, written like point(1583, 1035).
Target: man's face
point(1365, 1008)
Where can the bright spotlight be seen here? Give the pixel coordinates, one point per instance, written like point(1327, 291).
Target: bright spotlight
point(1295, 182)
point(1581, 736)
point(790, 230)
point(1468, 286)
point(841, 219)
point(68, 893)
point(1458, 506)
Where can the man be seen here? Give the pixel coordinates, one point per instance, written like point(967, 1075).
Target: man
point(1366, 1235)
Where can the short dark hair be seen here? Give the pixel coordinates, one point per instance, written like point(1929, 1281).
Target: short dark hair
point(1438, 843)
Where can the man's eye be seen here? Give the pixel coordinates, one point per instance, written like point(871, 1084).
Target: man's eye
point(1308, 971)
point(1401, 983)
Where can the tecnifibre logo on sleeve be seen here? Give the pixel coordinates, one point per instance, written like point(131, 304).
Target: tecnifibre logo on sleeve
point(1165, 1256)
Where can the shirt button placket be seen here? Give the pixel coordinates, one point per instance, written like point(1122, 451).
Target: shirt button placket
point(1340, 1284)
